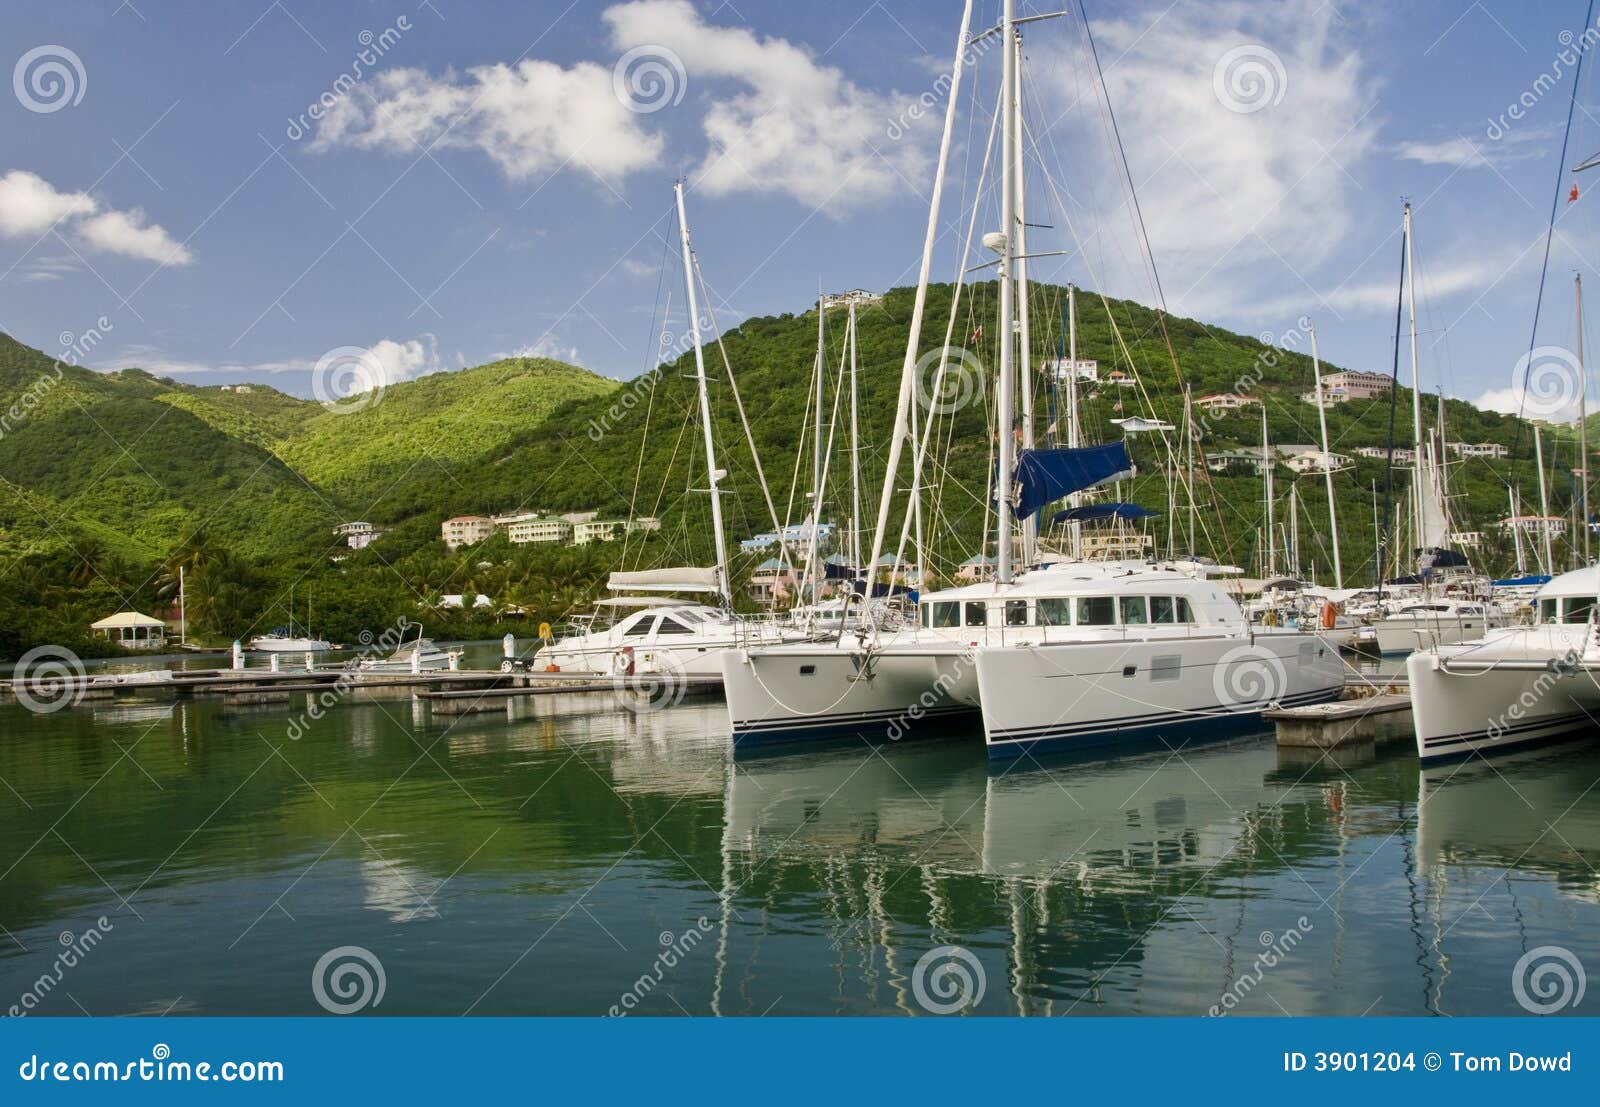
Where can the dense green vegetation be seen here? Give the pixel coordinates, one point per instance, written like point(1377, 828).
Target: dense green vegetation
point(109, 482)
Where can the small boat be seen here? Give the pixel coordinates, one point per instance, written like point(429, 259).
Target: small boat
point(1438, 622)
point(419, 655)
point(283, 640)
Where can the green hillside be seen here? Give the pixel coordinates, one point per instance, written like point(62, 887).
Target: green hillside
point(424, 427)
point(113, 480)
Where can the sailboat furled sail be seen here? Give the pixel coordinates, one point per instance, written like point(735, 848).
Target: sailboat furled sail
point(686, 579)
point(1045, 476)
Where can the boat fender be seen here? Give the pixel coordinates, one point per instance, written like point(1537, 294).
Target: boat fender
point(622, 662)
point(1329, 615)
point(552, 668)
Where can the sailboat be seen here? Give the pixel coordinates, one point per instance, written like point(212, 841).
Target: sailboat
point(285, 640)
point(1438, 616)
point(654, 632)
point(1068, 654)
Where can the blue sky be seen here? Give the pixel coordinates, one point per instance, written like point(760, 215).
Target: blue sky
point(480, 185)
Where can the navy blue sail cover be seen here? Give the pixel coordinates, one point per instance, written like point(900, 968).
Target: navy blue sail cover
point(1044, 476)
point(1092, 513)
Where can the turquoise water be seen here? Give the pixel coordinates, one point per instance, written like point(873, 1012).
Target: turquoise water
point(550, 860)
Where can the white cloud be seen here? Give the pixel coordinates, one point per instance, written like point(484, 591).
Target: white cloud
point(535, 117)
point(800, 127)
point(404, 361)
point(1241, 124)
point(633, 267)
point(548, 346)
point(1509, 401)
point(31, 205)
point(126, 233)
point(1467, 152)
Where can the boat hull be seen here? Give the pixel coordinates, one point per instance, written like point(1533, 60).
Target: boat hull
point(1397, 637)
point(1063, 697)
point(1488, 698)
point(783, 695)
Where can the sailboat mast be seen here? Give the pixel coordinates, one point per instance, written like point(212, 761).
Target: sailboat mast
point(714, 475)
point(1005, 401)
point(183, 610)
point(1516, 532)
point(855, 450)
point(1030, 526)
point(816, 455)
point(1416, 386)
point(1327, 460)
point(1266, 493)
point(1074, 433)
point(1544, 502)
point(1583, 418)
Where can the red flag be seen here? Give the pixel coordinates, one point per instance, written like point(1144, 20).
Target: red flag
point(1573, 195)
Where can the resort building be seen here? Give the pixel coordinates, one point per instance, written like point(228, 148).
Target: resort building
point(465, 530)
point(132, 631)
point(856, 296)
point(1223, 401)
point(794, 536)
point(357, 535)
point(976, 569)
point(1065, 369)
point(607, 530)
point(772, 582)
point(521, 530)
point(1480, 449)
point(1251, 456)
point(1536, 524)
point(1315, 461)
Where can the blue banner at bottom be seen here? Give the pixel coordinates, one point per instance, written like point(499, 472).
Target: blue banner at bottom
point(780, 1061)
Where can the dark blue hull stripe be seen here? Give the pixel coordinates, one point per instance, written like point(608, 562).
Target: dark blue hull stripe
point(1071, 730)
point(849, 725)
point(1451, 745)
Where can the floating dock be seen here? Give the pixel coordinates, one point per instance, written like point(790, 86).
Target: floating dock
point(1368, 714)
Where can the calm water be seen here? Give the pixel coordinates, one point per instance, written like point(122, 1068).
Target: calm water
point(542, 864)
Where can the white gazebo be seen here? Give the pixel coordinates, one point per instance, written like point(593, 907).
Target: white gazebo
point(132, 631)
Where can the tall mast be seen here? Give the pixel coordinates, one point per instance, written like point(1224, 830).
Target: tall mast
point(1074, 432)
point(908, 366)
point(1583, 418)
point(855, 450)
point(1416, 386)
point(1266, 492)
point(1005, 400)
point(1516, 532)
point(1030, 526)
point(1544, 502)
point(816, 456)
point(1327, 461)
point(713, 473)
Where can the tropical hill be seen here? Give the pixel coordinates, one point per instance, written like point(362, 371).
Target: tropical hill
point(111, 481)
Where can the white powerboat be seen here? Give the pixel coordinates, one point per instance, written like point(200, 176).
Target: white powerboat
point(656, 635)
point(419, 655)
point(284, 640)
point(1514, 685)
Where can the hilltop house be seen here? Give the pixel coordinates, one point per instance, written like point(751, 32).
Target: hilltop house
point(465, 530)
point(1341, 388)
point(1480, 449)
point(1315, 461)
point(1223, 401)
point(357, 535)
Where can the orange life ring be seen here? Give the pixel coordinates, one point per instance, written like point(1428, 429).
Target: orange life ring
point(1329, 615)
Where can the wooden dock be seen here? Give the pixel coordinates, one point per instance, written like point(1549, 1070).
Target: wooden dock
point(1372, 719)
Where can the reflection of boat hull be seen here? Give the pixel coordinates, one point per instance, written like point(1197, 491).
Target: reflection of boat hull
point(777, 695)
point(1076, 695)
point(1506, 692)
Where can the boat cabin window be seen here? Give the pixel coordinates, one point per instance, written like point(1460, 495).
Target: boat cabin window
point(1016, 613)
point(669, 625)
point(1547, 611)
point(1163, 609)
point(638, 628)
point(946, 613)
point(1135, 612)
point(1185, 612)
point(1097, 611)
point(977, 613)
point(1577, 609)
point(1054, 612)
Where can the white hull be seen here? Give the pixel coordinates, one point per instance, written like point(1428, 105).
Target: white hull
point(289, 645)
point(1070, 695)
point(1400, 634)
point(1518, 686)
point(781, 694)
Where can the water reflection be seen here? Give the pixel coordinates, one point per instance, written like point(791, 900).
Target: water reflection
point(534, 860)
